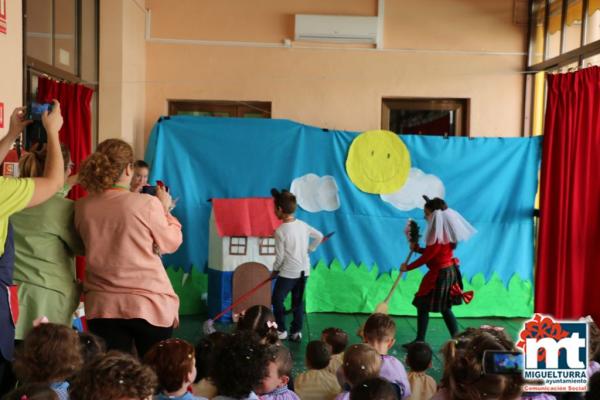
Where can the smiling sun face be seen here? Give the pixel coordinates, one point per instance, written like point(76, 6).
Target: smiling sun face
point(378, 162)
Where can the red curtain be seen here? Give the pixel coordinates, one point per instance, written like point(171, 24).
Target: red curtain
point(568, 263)
point(76, 131)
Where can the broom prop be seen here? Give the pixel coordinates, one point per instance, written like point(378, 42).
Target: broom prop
point(412, 234)
point(209, 325)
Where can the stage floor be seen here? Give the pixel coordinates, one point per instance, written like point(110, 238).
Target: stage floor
point(191, 329)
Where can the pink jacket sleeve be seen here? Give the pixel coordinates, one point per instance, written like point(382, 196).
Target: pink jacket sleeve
point(165, 228)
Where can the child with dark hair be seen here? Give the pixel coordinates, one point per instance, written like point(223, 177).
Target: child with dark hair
point(36, 391)
point(373, 389)
point(380, 332)
point(275, 385)
point(114, 375)
point(292, 262)
point(361, 362)
point(445, 228)
point(173, 361)
point(92, 346)
point(418, 359)
point(50, 354)
point(593, 392)
point(260, 320)
point(205, 353)
point(317, 383)
point(337, 339)
point(241, 365)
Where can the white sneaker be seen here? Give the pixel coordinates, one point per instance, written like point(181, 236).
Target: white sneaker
point(296, 337)
point(282, 335)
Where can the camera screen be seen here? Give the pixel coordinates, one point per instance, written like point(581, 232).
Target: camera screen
point(503, 362)
point(37, 109)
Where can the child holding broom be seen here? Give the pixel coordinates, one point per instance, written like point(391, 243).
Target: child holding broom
point(445, 228)
point(292, 263)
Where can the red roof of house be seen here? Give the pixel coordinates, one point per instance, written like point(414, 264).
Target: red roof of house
point(253, 216)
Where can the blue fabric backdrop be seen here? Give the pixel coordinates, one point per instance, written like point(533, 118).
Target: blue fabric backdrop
point(491, 181)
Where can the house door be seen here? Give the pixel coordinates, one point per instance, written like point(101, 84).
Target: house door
point(245, 278)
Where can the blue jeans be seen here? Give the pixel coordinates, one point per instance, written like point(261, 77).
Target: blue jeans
point(282, 287)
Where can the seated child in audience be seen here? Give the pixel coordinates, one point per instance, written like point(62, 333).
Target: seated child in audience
point(593, 387)
point(92, 346)
point(261, 320)
point(275, 385)
point(338, 340)
point(361, 362)
point(36, 391)
point(463, 376)
point(205, 352)
point(418, 359)
point(114, 375)
point(380, 332)
point(50, 355)
point(374, 388)
point(173, 361)
point(240, 365)
point(317, 383)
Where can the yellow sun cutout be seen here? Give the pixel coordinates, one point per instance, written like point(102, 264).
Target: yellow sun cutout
point(378, 162)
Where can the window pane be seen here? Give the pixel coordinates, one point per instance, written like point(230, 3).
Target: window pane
point(554, 29)
point(569, 67)
point(423, 122)
point(593, 60)
point(573, 25)
point(537, 34)
point(539, 95)
point(89, 54)
point(65, 50)
point(593, 22)
point(39, 30)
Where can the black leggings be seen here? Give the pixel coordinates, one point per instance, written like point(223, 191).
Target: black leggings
point(122, 334)
point(423, 321)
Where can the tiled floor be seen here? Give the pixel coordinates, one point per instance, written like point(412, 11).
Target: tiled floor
point(191, 330)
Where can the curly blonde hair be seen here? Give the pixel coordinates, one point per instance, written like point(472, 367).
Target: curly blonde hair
point(103, 168)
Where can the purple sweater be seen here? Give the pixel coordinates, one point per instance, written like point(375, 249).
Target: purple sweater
point(393, 370)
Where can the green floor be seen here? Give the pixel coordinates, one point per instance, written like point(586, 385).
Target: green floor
point(191, 329)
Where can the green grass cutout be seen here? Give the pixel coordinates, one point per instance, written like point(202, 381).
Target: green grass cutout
point(190, 293)
point(358, 289)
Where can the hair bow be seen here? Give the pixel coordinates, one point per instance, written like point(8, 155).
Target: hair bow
point(455, 290)
point(271, 324)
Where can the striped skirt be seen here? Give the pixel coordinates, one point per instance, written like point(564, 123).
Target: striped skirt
point(439, 299)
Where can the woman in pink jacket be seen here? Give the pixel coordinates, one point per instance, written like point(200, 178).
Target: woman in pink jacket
point(129, 299)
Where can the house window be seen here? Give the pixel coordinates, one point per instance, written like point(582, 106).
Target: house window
point(266, 246)
point(238, 245)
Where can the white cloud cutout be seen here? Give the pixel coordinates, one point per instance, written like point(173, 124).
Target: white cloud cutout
point(316, 193)
point(411, 194)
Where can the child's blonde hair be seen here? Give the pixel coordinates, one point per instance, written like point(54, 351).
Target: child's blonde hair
point(361, 362)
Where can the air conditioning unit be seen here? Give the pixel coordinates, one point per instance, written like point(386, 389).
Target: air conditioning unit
point(336, 28)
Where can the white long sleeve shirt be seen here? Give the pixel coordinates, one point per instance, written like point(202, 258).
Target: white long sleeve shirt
point(292, 247)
